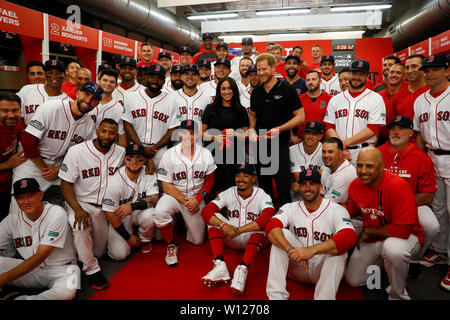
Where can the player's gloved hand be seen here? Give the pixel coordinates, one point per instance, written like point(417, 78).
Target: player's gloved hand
point(123, 210)
point(16, 160)
point(192, 205)
point(50, 173)
point(134, 241)
point(83, 219)
point(150, 168)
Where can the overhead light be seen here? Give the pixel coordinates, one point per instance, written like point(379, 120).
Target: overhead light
point(362, 8)
point(301, 34)
point(280, 12)
point(236, 36)
point(343, 32)
point(213, 16)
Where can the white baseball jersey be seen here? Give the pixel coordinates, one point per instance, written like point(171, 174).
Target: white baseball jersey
point(168, 89)
point(243, 211)
point(190, 107)
point(113, 110)
point(120, 93)
point(313, 228)
point(242, 88)
point(50, 229)
point(245, 98)
point(89, 170)
point(335, 185)
point(301, 161)
point(57, 130)
point(209, 89)
point(167, 86)
point(351, 115)
point(331, 86)
point(235, 74)
point(151, 118)
point(32, 96)
point(186, 175)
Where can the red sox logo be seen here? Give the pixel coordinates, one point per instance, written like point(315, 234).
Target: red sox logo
point(135, 147)
point(54, 62)
point(430, 59)
point(308, 173)
point(242, 166)
point(23, 183)
point(312, 124)
point(360, 64)
point(398, 118)
point(157, 68)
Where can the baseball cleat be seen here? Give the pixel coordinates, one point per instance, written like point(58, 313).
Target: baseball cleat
point(432, 258)
point(98, 281)
point(146, 246)
point(219, 274)
point(172, 255)
point(445, 283)
point(239, 278)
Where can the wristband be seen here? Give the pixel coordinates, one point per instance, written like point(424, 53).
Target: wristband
point(221, 225)
point(139, 205)
point(288, 250)
point(123, 232)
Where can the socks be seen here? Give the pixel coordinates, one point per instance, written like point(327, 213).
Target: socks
point(216, 242)
point(254, 245)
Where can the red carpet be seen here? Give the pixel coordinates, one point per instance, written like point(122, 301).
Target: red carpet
point(147, 277)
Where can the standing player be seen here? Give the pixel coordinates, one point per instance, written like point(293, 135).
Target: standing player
point(71, 72)
point(431, 114)
point(187, 175)
point(252, 75)
point(35, 72)
point(316, 53)
point(221, 70)
point(277, 52)
point(208, 53)
point(129, 199)
point(85, 174)
point(330, 82)
point(33, 95)
point(175, 82)
point(165, 60)
point(43, 241)
point(248, 209)
point(185, 55)
point(298, 51)
point(388, 62)
point(292, 65)
point(247, 52)
point(355, 115)
point(344, 76)
point(127, 72)
point(147, 55)
point(204, 68)
point(243, 81)
point(310, 240)
point(391, 229)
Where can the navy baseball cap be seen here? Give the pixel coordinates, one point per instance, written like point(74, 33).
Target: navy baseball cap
point(293, 56)
point(313, 126)
point(165, 54)
point(221, 44)
point(204, 63)
point(360, 65)
point(207, 35)
point(309, 174)
point(102, 67)
point(190, 67)
point(25, 185)
point(251, 69)
point(93, 88)
point(401, 121)
point(128, 61)
point(435, 60)
point(157, 69)
point(223, 61)
point(247, 40)
point(143, 67)
point(54, 64)
point(185, 49)
point(176, 68)
point(188, 124)
point(327, 57)
point(246, 168)
point(133, 149)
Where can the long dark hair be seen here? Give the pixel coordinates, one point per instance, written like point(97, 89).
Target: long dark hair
point(235, 100)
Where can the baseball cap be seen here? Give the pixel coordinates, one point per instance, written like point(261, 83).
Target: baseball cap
point(246, 168)
point(190, 67)
point(133, 149)
point(54, 64)
point(165, 54)
point(102, 67)
point(221, 44)
point(207, 35)
point(143, 67)
point(223, 61)
point(128, 61)
point(313, 126)
point(120, 57)
point(247, 40)
point(435, 60)
point(157, 69)
point(185, 49)
point(188, 124)
point(93, 88)
point(251, 69)
point(25, 185)
point(176, 68)
point(360, 65)
point(309, 174)
point(292, 56)
point(204, 63)
point(401, 121)
point(327, 57)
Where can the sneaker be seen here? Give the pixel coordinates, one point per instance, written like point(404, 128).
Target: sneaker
point(171, 256)
point(146, 246)
point(445, 283)
point(414, 271)
point(219, 274)
point(239, 278)
point(8, 293)
point(432, 258)
point(98, 281)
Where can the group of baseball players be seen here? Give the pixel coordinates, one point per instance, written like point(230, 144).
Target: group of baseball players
point(103, 166)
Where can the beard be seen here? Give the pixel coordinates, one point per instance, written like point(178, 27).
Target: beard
point(154, 87)
point(291, 73)
point(362, 84)
point(205, 78)
point(177, 84)
point(104, 144)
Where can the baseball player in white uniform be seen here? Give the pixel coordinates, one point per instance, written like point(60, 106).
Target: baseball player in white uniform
point(310, 242)
point(222, 69)
point(187, 175)
point(128, 72)
point(355, 115)
point(42, 237)
point(175, 82)
point(252, 75)
point(306, 155)
point(329, 82)
point(34, 95)
point(84, 174)
point(247, 51)
point(248, 209)
point(431, 115)
point(130, 198)
point(149, 118)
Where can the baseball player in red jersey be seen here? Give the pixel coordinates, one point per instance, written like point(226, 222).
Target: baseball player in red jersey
point(147, 55)
point(388, 62)
point(187, 175)
point(316, 53)
point(209, 53)
point(310, 240)
point(330, 81)
point(248, 209)
point(280, 69)
point(391, 228)
point(127, 72)
point(431, 115)
point(403, 158)
point(314, 101)
point(298, 51)
point(71, 71)
point(41, 235)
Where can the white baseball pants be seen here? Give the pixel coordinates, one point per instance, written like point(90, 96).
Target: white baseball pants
point(430, 226)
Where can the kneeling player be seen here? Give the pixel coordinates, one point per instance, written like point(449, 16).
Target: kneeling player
point(314, 247)
point(249, 208)
point(129, 200)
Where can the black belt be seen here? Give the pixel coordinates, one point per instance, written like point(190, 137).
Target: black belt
point(95, 205)
point(357, 146)
point(440, 152)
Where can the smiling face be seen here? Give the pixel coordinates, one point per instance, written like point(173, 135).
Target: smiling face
point(86, 101)
point(55, 78)
point(396, 75)
point(107, 135)
point(108, 83)
point(435, 76)
point(291, 67)
point(399, 136)
point(30, 203)
point(226, 92)
point(9, 113)
point(370, 167)
point(265, 72)
point(310, 190)
point(191, 78)
point(221, 71)
point(134, 163)
point(72, 69)
point(344, 82)
point(331, 155)
point(128, 73)
point(327, 68)
point(36, 75)
point(413, 74)
point(358, 79)
point(244, 181)
point(147, 53)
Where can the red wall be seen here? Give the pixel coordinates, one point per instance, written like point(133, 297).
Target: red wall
point(87, 57)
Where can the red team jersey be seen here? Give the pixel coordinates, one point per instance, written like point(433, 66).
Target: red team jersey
point(403, 102)
point(388, 98)
point(391, 203)
point(9, 139)
point(143, 63)
point(280, 71)
point(314, 66)
point(313, 110)
point(70, 89)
